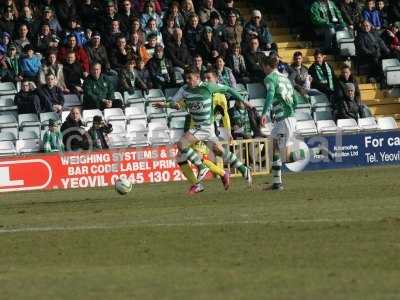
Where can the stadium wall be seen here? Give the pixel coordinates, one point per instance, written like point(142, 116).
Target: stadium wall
point(150, 165)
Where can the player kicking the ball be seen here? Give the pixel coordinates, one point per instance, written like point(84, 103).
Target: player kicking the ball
point(280, 104)
point(196, 98)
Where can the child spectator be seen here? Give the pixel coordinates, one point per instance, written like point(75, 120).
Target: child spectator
point(371, 15)
point(98, 133)
point(52, 138)
point(236, 62)
point(29, 63)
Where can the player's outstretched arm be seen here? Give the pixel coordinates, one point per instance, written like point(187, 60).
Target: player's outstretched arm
point(224, 89)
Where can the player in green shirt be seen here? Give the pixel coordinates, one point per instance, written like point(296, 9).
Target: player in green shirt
point(196, 98)
point(280, 104)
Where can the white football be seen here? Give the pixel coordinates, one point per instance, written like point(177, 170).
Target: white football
point(123, 186)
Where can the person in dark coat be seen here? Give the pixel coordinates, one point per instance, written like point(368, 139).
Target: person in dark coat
point(252, 58)
point(347, 106)
point(98, 133)
point(51, 96)
point(323, 75)
point(160, 69)
point(394, 11)
point(73, 74)
point(73, 132)
point(177, 51)
point(27, 100)
point(371, 49)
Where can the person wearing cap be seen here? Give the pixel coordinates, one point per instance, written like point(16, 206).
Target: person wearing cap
point(98, 91)
point(256, 27)
point(29, 63)
point(232, 31)
point(228, 8)
point(97, 52)
point(327, 20)
point(52, 138)
point(161, 69)
point(98, 133)
point(50, 18)
point(206, 10)
point(80, 52)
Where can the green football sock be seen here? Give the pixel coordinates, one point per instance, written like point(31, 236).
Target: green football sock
point(193, 157)
point(276, 169)
point(232, 159)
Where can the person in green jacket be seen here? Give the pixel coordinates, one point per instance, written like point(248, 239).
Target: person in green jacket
point(98, 92)
point(327, 19)
point(52, 138)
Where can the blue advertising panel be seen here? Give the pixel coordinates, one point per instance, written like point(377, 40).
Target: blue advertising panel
point(354, 150)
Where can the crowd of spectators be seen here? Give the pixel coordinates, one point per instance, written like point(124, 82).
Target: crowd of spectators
point(92, 48)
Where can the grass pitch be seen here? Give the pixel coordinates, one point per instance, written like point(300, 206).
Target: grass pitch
point(329, 235)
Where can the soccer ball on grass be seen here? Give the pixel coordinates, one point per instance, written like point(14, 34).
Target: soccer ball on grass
point(123, 186)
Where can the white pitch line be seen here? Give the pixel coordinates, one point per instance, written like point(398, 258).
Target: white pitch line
point(146, 224)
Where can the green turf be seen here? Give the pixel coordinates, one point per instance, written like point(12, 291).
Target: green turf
point(329, 235)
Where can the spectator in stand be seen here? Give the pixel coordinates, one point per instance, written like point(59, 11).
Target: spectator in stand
point(371, 49)
point(252, 58)
point(109, 15)
point(327, 19)
point(88, 12)
point(112, 35)
point(282, 67)
point(383, 14)
point(143, 74)
point(161, 69)
point(73, 131)
point(258, 28)
point(65, 10)
point(98, 92)
point(215, 24)
point(73, 75)
point(80, 54)
point(168, 30)
point(22, 39)
point(174, 13)
point(351, 13)
point(43, 39)
point(323, 75)
point(151, 29)
point(299, 76)
point(51, 96)
point(206, 10)
point(391, 39)
point(50, 18)
point(187, 10)
point(178, 52)
point(136, 48)
point(371, 15)
point(129, 79)
point(232, 32)
point(75, 29)
point(224, 74)
point(210, 46)
point(119, 55)
point(52, 67)
point(394, 11)
point(245, 121)
point(151, 46)
point(192, 34)
point(346, 78)
point(5, 40)
point(346, 106)
point(12, 65)
point(235, 61)
point(150, 13)
point(97, 52)
point(27, 19)
point(98, 133)
point(157, 5)
point(27, 100)
point(199, 66)
point(229, 9)
point(53, 139)
point(29, 63)
point(7, 21)
point(126, 14)
point(136, 28)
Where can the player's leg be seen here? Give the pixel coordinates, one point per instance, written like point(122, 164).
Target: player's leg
point(217, 170)
point(233, 160)
point(276, 166)
point(187, 153)
point(195, 187)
